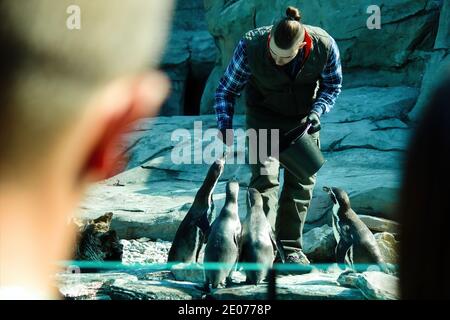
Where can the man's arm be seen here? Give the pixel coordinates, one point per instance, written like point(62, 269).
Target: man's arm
point(231, 84)
point(330, 83)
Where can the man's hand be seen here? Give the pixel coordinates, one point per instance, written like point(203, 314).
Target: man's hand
point(314, 119)
point(227, 136)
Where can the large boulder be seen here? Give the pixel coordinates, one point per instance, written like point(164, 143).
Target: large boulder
point(378, 286)
point(438, 65)
point(374, 285)
point(189, 56)
point(151, 290)
point(373, 103)
point(313, 286)
point(443, 36)
point(376, 224)
point(87, 286)
point(389, 247)
point(319, 244)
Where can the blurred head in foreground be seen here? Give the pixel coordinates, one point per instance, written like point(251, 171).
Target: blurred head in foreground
point(67, 95)
point(425, 204)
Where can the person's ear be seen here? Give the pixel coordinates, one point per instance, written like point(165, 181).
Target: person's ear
point(120, 106)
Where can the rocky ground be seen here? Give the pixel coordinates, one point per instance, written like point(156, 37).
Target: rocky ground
point(140, 283)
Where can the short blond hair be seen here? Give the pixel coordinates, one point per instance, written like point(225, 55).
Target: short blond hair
point(49, 71)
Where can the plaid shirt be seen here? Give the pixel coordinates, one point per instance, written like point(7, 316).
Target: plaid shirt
point(238, 74)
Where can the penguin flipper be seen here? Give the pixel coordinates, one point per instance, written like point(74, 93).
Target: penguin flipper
point(203, 224)
point(376, 256)
point(237, 240)
point(278, 246)
point(341, 251)
point(241, 248)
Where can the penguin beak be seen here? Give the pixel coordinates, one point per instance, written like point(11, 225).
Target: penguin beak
point(326, 189)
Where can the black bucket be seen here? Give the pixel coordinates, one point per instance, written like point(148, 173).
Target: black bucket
point(300, 154)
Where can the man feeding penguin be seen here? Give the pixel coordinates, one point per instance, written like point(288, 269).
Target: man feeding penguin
point(292, 75)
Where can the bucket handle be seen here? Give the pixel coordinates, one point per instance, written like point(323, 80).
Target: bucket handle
point(308, 126)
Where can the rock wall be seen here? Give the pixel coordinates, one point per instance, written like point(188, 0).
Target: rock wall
point(413, 38)
point(188, 59)
point(437, 61)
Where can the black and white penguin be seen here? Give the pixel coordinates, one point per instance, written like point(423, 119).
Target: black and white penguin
point(194, 228)
point(355, 242)
point(257, 239)
point(223, 240)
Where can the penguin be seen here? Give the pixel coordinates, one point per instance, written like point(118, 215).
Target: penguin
point(258, 242)
point(355, 242)
point(194, 228)
point(223, 241)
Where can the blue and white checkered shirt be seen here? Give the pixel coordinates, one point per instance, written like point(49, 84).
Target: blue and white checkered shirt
point(238, 74)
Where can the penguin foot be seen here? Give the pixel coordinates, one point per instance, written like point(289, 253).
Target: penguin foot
point(228, 282)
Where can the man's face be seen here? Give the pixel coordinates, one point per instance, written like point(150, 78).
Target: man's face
point(284, 56)
point(281, 61)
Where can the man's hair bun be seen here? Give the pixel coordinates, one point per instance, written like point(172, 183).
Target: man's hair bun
point(293, 14)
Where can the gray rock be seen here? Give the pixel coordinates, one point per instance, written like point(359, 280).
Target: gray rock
point(190, 53)
point(348, 279)
point(156, 141)
point(319, 244)
point(438, 65)
point(144, 251)
point(191, 273)
point(372, 103)
point(151, 290)
point(388, 246)
point(374, 285)
point(313, 286)
point(87, 286)
point(376, 224)
point(378, 286)
point(136, 213)
point(443, 36)
point(363, 134)
point(203, 54)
